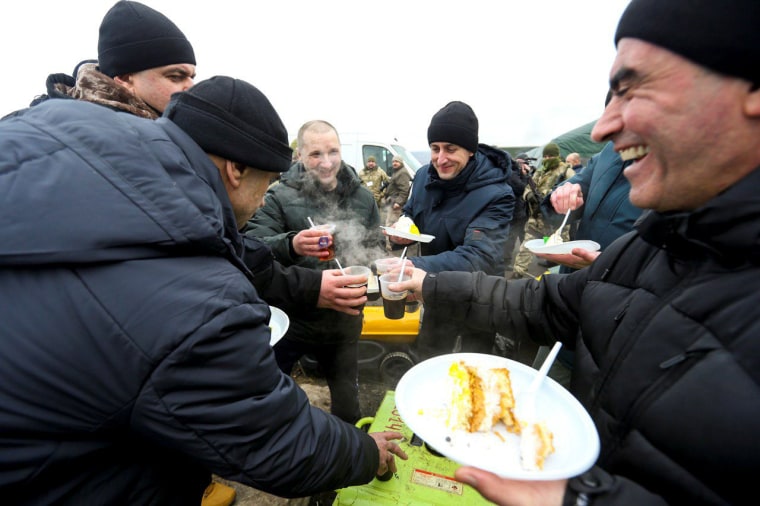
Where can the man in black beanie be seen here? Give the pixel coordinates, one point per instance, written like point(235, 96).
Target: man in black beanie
point(664, 322)
point(145, 355)
point(143, 58)
point(463, 199)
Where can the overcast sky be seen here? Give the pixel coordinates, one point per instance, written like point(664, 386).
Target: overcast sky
point(531, 69)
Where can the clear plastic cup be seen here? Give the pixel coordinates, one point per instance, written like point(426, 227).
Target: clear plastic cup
point(358, 270)
point(393, 302)
point(383, 265)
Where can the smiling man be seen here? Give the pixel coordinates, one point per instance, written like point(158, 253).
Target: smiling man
point(664, 323)
point(321, 188)
point(463, 199)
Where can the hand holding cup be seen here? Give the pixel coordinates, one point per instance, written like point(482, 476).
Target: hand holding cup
point(317, 241)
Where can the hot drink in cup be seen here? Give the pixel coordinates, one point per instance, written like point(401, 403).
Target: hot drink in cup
point(327, 241)
point(358, 270)
point(393, 302)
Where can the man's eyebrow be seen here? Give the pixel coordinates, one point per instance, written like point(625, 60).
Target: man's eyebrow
point(624, 74)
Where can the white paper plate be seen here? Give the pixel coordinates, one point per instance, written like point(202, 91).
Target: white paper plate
point(423, 404)
point(279, 323)
point(538, 246)
point(407, 235)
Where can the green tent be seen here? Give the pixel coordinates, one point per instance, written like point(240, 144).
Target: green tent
point(578, 140)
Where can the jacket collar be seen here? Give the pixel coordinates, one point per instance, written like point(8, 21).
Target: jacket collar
point(728, 226)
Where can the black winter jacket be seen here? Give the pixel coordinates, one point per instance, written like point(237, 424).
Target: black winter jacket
point(134, 351)
point(667, 338)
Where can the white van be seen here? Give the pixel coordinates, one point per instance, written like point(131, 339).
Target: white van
point(356, 148)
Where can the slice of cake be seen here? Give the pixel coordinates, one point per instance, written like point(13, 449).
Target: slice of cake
point(481, 398)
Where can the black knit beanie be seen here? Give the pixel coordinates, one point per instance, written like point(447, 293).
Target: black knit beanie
point(455, 123)
point(721, 35)
point(134, 37)
point(230, 118)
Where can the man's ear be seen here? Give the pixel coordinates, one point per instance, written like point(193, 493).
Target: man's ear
point(752, 102)
point(233, 172)
point(124, 80)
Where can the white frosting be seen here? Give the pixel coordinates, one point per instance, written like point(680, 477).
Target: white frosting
point(404, 224)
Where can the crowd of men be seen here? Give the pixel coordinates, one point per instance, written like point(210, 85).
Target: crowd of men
point(142, 242)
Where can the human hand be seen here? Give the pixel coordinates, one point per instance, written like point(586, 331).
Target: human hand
point(388, 448)
point(567, 196)
point(414, 285)
point(306, 243)
point(506, 492)
point(578, 258)
point(334, 293)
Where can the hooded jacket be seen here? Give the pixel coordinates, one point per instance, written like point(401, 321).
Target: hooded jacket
point(468, 215)
point(135, 357)
point(665, 329)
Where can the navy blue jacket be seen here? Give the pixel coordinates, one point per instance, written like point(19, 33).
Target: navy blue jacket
point(468, 215)
point(607, 212)
point(134, 350)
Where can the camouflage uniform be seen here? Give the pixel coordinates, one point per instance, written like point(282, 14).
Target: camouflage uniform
point(374, 180)
point(537, 227)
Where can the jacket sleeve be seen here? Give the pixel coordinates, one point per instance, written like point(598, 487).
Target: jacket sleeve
point(525, 308)
point(289, 288)
point(603, 489)
point(220, 398)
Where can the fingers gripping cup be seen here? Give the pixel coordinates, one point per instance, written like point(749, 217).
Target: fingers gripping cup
point(358, 270)
point(327, 241)
point(383, 265)
point(393, 302)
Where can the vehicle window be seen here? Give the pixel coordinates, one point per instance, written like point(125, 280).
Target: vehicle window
point(383, 157)
point(409, 159)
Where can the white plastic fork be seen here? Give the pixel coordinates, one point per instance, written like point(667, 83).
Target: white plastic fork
point(528, 411)
point(556, 237)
